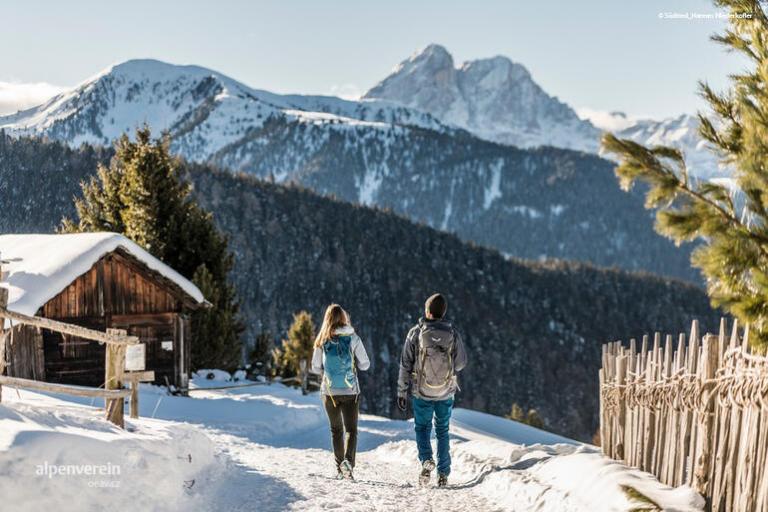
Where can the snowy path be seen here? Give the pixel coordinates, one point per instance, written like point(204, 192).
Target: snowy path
point(385, 479)
point(266, 448)
point(483, 465)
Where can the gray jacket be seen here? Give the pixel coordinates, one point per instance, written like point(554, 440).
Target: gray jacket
point(410, 354)
point(361, 362)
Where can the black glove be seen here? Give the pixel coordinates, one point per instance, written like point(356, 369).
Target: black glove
point(402, 404)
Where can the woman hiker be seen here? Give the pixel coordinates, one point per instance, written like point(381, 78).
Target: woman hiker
point(338, 355)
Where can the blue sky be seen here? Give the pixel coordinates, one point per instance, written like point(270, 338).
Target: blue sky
point(604, 55)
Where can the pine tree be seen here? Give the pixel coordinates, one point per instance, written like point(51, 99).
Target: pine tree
point(297, 350)
point(733, 227)
point(533, 419)
point(519, 415)
point(516, 414)
point(141, 195)
point(217, 326)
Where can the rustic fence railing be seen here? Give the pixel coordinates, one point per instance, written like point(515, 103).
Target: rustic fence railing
point(692, 413)
point(115, 375)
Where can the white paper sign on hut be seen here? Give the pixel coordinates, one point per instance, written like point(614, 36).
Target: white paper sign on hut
point(135, 357)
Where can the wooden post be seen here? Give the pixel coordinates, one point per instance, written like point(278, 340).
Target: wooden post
point(692, 365)
point(134, 378)
point(652, 375)
point(3, 334)
point(3, 304)
point(621, 376)
point(134, 398)
point(601, 382)
point(704, 455)
point(684, 420)
point(649, 420)
point(639, 413)
point(113, 375)
point(723, 418)
point(630, 432)
point(665, 413)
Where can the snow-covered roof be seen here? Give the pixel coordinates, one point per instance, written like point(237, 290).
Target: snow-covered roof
point(38, 267)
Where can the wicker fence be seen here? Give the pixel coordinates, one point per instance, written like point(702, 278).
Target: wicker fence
point(692, 413)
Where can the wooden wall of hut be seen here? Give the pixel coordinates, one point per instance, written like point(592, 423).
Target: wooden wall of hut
point(117, 292)
point(24, 353)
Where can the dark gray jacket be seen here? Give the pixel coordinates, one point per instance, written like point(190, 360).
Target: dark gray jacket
point(410, 354)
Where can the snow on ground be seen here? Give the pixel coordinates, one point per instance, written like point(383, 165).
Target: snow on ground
point(266, 447)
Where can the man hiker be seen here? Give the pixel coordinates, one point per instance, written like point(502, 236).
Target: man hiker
point(432, 355)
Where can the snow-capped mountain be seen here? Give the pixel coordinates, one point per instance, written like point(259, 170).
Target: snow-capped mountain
point(498, 100)
point(530, 203)
point(204, 111)
point(494, 98)
point(681, 132)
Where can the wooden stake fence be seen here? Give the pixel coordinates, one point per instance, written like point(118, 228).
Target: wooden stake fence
point(694, 414)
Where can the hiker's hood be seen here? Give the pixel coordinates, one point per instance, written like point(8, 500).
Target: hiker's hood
point(347, 330)
point(440, 324)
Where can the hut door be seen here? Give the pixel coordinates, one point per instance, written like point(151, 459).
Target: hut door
point(159, 337)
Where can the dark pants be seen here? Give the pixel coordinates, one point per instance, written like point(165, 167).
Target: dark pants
point(424, 412)
point(343, 418)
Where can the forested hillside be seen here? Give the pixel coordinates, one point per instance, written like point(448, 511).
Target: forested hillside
point(533, 331)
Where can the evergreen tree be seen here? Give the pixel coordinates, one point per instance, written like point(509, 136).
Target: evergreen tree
point(297, 349)
point(516, 414)
point(733, 226)
point(533, 419)
point(217, 326)
point(141, 195)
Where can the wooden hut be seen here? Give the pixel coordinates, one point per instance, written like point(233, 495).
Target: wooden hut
point(100, 281)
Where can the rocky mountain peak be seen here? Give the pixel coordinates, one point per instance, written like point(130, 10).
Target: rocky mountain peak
point(433, 55)
point(494, 98)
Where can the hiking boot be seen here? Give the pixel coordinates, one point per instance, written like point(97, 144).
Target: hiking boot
point(426, 472)
point(345, 468)
point(442, 480)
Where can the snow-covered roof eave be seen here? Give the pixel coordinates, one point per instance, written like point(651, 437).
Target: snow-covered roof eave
point(39, 266)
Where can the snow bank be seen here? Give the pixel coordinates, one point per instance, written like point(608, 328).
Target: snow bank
point(266, 447)
point(597, 481)
point(56, 455)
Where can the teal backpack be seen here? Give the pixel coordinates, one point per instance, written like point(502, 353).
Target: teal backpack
point(339, 363)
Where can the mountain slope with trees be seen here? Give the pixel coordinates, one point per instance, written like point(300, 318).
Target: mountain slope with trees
point(533, 330)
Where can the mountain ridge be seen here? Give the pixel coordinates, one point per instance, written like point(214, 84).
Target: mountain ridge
point(535, 203)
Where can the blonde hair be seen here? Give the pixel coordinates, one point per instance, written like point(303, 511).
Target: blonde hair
point(334, 317)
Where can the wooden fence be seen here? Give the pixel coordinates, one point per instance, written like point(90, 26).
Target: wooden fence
point(115, 375)
point(692, 413)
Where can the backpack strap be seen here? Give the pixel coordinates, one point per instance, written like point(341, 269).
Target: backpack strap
point(416, 350)
point(352, 358)
point(327, 380)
